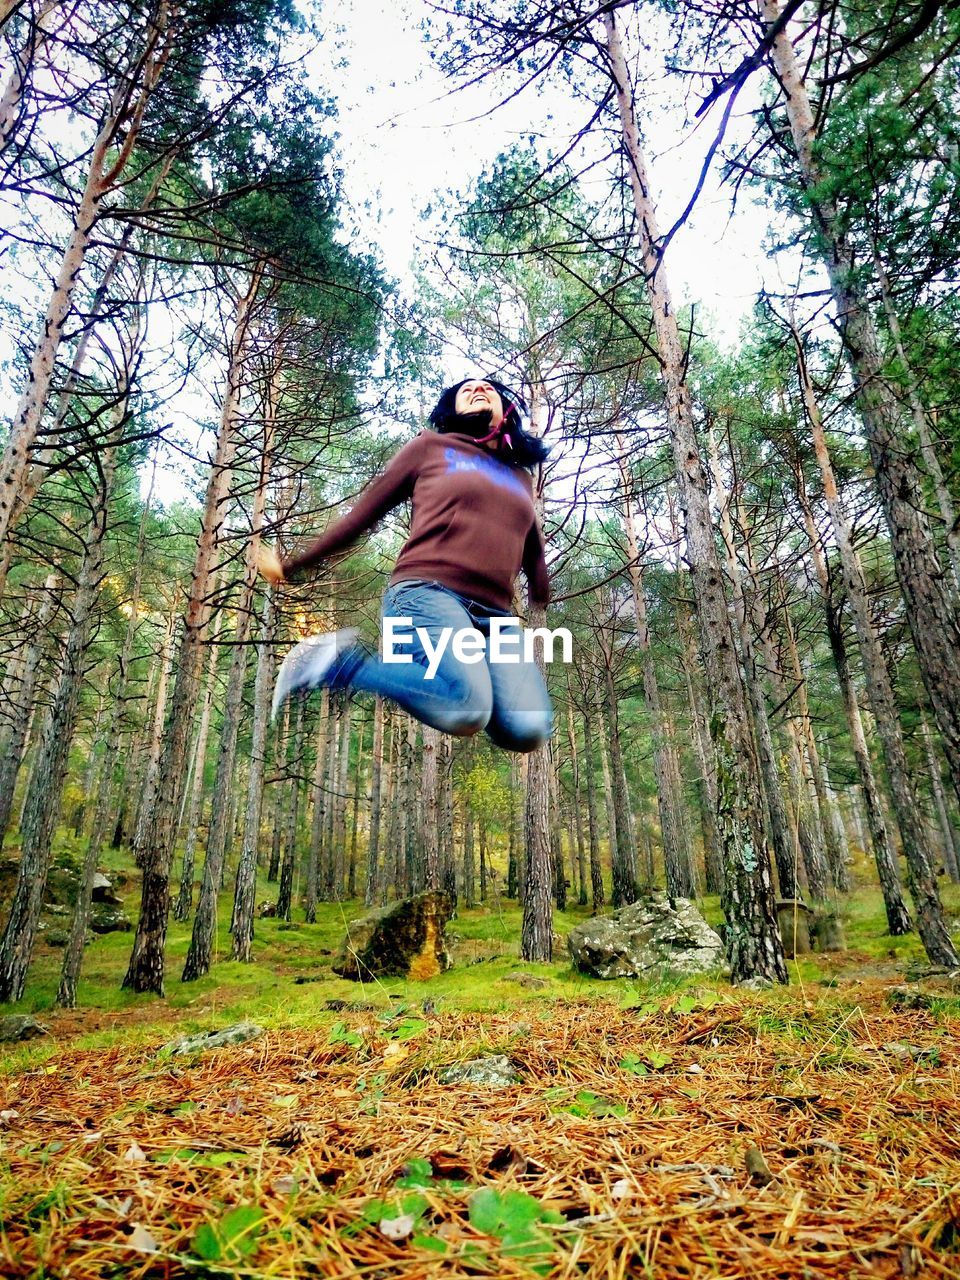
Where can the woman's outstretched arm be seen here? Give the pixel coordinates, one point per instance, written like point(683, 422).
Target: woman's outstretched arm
point(381, 495)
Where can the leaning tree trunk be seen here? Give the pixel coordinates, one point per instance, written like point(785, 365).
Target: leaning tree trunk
point(781, 829)
point(673, 832)
point(194, 804)
point(24, 61)
point(888, 873)
point(289, 861)
point(596, 866)
point(16, 738)
point(145, 971)
point(49, 773)
point(244, 900)
point(754, 945)
point(120, 129)
point(376, 801)
point(950, 860)
point(931, 614)
point(577, 815)
point(922, 882)
point(536, 935)
point(199, 954)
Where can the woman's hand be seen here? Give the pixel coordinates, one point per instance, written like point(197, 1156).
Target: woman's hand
point(269, 566)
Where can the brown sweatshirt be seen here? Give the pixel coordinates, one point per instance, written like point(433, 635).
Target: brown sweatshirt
point(474, 524)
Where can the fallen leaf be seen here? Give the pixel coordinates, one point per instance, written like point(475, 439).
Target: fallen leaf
point(397, 1228)
point(133, 1154)
point(141, 1240)
point(757, 1167)
point(285, 1185)
point(621, 1189)
point(7, 1117)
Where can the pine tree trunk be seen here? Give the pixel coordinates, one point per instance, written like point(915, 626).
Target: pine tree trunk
point(24, 61)
point(707, 782)
point(184, 903)
point(245, 890)
point(754, 946)
point(288, 862)
point(784, 847)
point(429, 790)
point(536, 935)
point(626, 886)
point(376, 800)
point(340, 799)
point(597, 898)
point(932, 617)
point(146, 969)
point(45, 790)
point(125, 114)
point(197, 962)
point(950, 860)
point(577, 808)
point(16, 739)
point(358, 789)
point(922, 882)
point(673, 833)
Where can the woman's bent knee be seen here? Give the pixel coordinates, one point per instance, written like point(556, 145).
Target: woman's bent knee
point(523, 732)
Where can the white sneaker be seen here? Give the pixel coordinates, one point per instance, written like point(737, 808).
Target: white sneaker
point(307, 663)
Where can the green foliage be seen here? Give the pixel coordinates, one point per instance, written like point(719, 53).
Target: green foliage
point(232, 1238)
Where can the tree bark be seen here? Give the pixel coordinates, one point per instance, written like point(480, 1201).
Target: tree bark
point(376, 800)
point(932, 617)
point(45, 790)
point(536, 934)
point(921, 880)
point(244, 899)
point(145, 971)
point(753, 943)
point(596, 865)
point(16, 738)
point(125, 114)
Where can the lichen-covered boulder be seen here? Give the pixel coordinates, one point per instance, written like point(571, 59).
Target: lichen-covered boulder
point(495, 1071)
point(104, 919)
point(20, 1026)
point(403, 940)
point(649, 937)
point(186, 1046)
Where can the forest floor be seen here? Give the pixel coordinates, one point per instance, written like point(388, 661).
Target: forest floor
point(682, 1130)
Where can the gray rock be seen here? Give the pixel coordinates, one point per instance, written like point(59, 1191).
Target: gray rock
point(405, 939)
point(19, 1026)
point(647, 938)
point(759, 983)
point(239, 1033)
point(528, 980)
point(494, 1071)
point(105, 919)
point(103, 890)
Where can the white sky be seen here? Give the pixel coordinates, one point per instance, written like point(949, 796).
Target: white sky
point(404, 138)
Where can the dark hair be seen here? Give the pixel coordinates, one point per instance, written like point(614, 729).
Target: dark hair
point(525, 450)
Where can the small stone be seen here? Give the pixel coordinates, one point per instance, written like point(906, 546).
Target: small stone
point(19, 1026)
point(905, 998)
point(495, 1071)
point(759, 983)
point(694, 1069)
point(528, 980)
point(134, 1154)
point(8, 1117)
point(239, 1033)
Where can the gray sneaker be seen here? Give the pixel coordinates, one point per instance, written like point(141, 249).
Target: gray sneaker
point(307, 663)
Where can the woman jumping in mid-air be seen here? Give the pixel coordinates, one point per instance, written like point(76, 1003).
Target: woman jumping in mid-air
point(474, 527)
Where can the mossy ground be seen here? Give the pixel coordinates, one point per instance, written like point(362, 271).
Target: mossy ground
point(623, 1152)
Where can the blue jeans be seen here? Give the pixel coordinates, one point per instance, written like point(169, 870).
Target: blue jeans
point(509, 700)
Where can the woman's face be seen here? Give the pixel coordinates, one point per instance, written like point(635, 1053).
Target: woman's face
point(480, 397)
